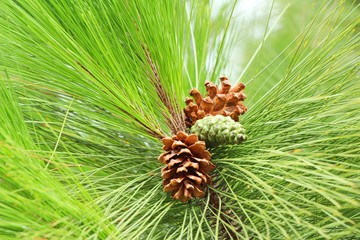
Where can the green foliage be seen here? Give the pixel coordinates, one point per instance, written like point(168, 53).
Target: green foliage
point(82, 111)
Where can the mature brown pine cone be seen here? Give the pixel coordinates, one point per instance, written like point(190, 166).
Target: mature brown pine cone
point(188, 163)
point(226, 101)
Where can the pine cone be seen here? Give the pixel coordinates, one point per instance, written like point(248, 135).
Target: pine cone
point(226, 101)
point(188, 163)
point(216, 130)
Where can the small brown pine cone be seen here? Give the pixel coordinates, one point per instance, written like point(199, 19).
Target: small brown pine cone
point(226, 101)
point(187, 164)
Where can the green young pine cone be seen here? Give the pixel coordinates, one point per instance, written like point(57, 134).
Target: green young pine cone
point(219, 130)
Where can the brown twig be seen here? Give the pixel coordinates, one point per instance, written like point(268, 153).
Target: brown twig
point(215, 204)
point(176, 121)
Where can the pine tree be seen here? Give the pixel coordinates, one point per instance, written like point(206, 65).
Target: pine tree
point(92, 91)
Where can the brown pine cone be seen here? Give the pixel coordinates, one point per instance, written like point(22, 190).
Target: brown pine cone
point(226, 101)
point(188, 163)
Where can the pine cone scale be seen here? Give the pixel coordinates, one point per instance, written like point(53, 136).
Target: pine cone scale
point(197, 148)
point(196, 179)
point(198, 192)
point(184, 151)
point(205, 165)
point(181, 169)
point(178, 144)
point(238, 87)
point(191, 139)
point(219, 102)
point(172, 162)
point(167, 173)
point(189, 185)
point(167, 143)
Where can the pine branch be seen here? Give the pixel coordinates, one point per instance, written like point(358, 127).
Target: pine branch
point(150, 131)
point(296, 177)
